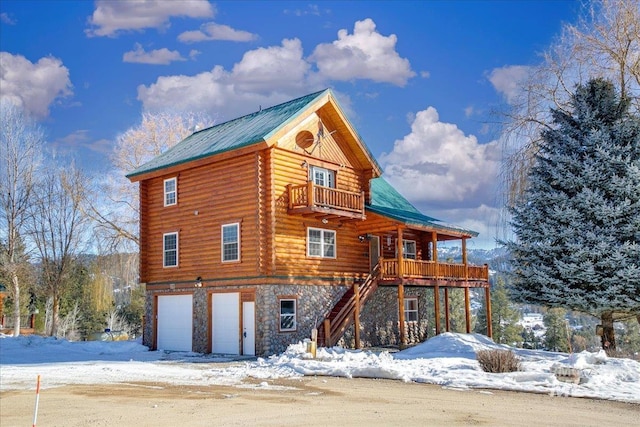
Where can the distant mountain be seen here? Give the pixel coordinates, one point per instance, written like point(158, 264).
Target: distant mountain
point(497, 258)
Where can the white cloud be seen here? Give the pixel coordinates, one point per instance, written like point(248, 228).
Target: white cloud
point(264, 76)
point(272, 74)
point(312, 9)
point(365, 54)
point(213, 31)
point(436, 165)
point(33, 86)
point(276, 66)
point(6, 19)
point(162, 56)
point(483, 219)
point(193, 54)
point(506, 80)
point(469, 111)
point(112, 17)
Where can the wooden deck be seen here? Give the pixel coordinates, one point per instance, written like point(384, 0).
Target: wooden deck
point(392, 271)
point(311, 199)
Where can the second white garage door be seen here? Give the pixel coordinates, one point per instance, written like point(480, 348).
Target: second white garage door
point(226, 323)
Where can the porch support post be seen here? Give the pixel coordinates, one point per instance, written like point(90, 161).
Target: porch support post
point(400, 254)
point(487, 300)
point(464, 258)
point(356, 315)
point(434, 248)
point(436, 307)
point(467, 309)
point(403, 335)
point(447, 320)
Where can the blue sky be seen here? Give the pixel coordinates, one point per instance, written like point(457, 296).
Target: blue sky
point(420, 81)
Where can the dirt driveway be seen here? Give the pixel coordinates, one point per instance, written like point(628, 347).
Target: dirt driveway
point(309, 401)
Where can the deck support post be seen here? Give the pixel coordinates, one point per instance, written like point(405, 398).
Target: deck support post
point(447, 319)
point(436, 307)
point(487, 300)
point(400, 250)
point(356, 316)
point(464, 258)
point(403, 335)
point(434, 245)
point(467, 309)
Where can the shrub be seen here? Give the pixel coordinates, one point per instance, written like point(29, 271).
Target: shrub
point(497, 361)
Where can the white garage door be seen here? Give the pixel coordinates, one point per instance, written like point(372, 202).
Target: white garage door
point(175, 322)
point(226, 323)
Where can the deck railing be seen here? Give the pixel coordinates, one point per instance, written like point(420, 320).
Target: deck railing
point(310, 195)
point(417, 269)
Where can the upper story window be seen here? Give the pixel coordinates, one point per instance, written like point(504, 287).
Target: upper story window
point(288, 314)
point(323, 177)
point(170, 192)
point(411, 309)
point(170, 250)
point(231, 242)
point(409, 249)
point(321, 243)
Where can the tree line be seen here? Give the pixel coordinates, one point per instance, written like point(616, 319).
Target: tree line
point(69, 241)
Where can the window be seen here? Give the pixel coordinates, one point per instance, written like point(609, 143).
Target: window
point(409, 249)
point(323, 177)
point(170, 192)
point(288, 315)
point(321, 243)
point(231, 242)
point(411, 309)
point(170, 250)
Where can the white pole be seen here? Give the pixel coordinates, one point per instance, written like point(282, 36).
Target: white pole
point(35, 411)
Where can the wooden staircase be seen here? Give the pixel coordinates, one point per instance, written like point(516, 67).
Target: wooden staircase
point(346, 309)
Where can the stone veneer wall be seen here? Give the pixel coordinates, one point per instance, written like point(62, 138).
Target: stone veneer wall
point(379, 319)
point(313, 302)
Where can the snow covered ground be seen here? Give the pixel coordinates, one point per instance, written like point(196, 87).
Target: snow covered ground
point(448, 360)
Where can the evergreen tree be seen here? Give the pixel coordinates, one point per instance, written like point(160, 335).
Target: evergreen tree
point(556, 338)
point(578, 226)
point(504, 316)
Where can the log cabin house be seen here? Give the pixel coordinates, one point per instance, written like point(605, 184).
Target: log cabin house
point(256, 231)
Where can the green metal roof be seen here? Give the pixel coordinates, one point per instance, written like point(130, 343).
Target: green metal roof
point(386, 201)
point(231, 135)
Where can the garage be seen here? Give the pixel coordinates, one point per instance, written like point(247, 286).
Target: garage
point(175, 322)
point(225, 319)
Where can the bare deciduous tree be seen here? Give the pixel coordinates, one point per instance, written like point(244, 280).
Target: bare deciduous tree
point(58, 229)
point(21, 142)
point(116, 211)
point(605, 43)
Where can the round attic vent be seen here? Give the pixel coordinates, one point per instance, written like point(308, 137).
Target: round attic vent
point(304, 139)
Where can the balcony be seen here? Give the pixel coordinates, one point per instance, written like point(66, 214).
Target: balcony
point(315, 200)
point(391, 271)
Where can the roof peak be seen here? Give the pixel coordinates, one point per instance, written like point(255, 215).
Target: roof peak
point(229, 135)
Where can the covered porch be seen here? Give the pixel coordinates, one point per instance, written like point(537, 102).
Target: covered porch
point(407, 256)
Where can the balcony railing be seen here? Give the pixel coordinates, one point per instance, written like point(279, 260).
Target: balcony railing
point(417, 269)
point(311, 197)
